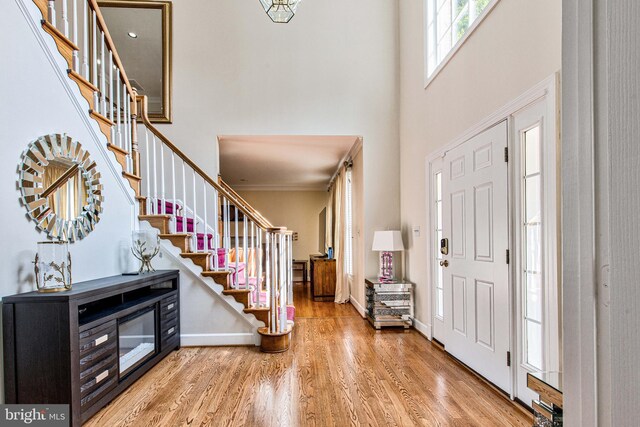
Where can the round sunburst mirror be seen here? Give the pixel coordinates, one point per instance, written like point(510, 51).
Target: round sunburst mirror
point(60, 187)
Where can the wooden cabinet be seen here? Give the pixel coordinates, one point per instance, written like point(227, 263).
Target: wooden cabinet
point(85, 346)
point(323, 279)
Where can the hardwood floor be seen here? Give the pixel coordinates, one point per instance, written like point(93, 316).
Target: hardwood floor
point(338, 372)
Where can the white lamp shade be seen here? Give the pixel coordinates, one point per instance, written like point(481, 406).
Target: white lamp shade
point(387, 241)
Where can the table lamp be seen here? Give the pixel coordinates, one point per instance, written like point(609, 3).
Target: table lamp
point(387, 242)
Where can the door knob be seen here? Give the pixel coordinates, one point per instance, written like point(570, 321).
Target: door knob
point(444, 263)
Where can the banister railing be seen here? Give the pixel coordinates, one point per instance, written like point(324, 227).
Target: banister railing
point(218, 220)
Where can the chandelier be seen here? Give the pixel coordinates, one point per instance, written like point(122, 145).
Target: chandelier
point(280, 11)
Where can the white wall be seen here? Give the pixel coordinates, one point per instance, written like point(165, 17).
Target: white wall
point(515, 47)
point(35, 102)
point(296, 210)
point(331, 71)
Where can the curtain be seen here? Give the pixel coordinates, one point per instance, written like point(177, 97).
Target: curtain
point(328, 229)
point(343, 290)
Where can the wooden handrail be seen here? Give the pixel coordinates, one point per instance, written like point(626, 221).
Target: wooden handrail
point(242, 200)
point(93, 4)
point(142, 113)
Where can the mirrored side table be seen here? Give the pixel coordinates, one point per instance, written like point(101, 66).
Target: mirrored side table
point(389, 304)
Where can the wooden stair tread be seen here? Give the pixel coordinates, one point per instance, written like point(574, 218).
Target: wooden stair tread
point(216, 273)
point(132, 176)
point(195, 254)
point(257, 310)
point(144, 217)
point(79, 78)
point(100, 117)
point(50, 28)
point(236, 291)
point(166, 236)
point(118, 149)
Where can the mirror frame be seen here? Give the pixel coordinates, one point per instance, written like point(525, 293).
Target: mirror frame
point(31, 170)
point(167, 51)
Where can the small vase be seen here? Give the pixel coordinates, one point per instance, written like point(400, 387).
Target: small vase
point(53, 267)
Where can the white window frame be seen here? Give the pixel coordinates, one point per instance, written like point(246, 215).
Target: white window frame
point(348, 259)
point(428, 78)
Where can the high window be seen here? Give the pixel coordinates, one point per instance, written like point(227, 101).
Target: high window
point(447, 22)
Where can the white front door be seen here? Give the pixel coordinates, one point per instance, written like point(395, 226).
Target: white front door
point(476, 279)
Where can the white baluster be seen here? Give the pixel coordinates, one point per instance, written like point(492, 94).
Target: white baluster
point(290, 268)
point(118, 140)
point(245, 249)
point(216, 228)
point(173, 189)
point(65, 20)
point(259, 259)
point(74, 34)
point(268, 273)
point(226, 228)
point(163, 194)
point(51, 7)
point(103, 86)
point(127, 128)
point(195, 225)
point(274, 281)
point(147, 170)
point(85, 40)
point(155, 175)
point(252, 250)
point(111, 94)
point(184, 197)
point(236, 243)
point(204, 205)
point(94, 60)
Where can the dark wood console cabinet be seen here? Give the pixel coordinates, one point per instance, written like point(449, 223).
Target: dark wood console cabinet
point(85, 346)
point(323, 278)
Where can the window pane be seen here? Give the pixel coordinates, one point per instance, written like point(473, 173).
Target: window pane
point(461, 25)
point(437, 244)
point(481, 5)
point(431, 45)
point(439, 186)
point(458, 6)
point(533, 248)
point(532, 199)
point(439, 215)
point(444, 45)
point(533, 295)
point(429, 11)
point(532, 150)
point(534, 344)
point(443, 19)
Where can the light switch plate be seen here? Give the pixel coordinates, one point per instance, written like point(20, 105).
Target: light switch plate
point(416, 231)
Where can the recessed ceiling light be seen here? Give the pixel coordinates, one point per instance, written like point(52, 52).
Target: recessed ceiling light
point(132, 35)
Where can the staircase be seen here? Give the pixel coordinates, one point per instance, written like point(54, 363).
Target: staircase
point(213, 227)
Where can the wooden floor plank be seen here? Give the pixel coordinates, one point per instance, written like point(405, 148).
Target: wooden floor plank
point(338, 372)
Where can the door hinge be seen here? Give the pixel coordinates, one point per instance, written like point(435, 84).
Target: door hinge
point(508, 358)
point(506, 154)
point(508, 257)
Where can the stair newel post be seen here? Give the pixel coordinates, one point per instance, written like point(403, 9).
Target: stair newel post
point(85, 40)
point(74, 34)
point(127, 129)
point(236, 245)
point(227, 229)
point(216, 228)
point(270, 281)
point(51, 8)
point(102, 87)
point(94, 58)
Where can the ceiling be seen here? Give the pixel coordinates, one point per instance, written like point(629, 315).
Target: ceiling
point(282, 162)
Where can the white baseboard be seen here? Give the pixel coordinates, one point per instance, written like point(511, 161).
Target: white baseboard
point(217, 340)
point(424, 329)
point(357, 305)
